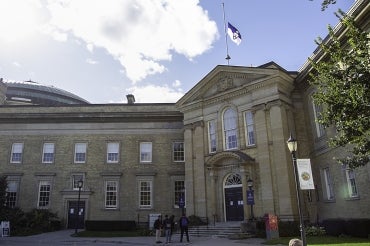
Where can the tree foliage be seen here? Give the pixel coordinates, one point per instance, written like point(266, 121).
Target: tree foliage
point(342, 80)
point(3, 186)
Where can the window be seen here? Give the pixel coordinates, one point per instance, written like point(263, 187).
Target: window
point(146, 152)
point(249, 128)
point(212, 140)
point(11, 194)
point(328, 185)
point(317, 109)
point(16, 156)
point(75, 179)
point(179, 192)
point(44, 194)
point(145, 194)
point(80, 152)
point(230, 126)
point(178, 152)
point(112, 152)
point(111, 191)
point(351, 182)
point(48, 153)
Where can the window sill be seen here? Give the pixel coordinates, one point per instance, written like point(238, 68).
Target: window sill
point(354, 198)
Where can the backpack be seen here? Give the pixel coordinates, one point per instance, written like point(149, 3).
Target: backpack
point(184, 221)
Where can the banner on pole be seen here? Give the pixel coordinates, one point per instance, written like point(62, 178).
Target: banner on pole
point(305, 174)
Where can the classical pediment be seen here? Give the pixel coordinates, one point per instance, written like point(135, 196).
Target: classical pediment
point(224, 80)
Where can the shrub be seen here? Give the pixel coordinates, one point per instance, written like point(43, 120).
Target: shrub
point(289, 228)
point(110, 225)
point(196, 221)
point(315, 231)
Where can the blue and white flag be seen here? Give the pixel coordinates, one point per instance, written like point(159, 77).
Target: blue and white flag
point(234, 34)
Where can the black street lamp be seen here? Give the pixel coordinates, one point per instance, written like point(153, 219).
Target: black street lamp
point(79, 184)
point(292, 146)
point(250, 186)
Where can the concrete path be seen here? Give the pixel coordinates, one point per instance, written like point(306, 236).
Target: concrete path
point(65, 238)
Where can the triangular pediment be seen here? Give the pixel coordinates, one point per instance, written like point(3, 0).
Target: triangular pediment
point(227, 79)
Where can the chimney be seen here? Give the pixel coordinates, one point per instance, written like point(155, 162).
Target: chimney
point(130, 99)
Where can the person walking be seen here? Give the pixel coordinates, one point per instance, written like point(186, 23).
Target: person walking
point(158, 226)
point(167, 228)
point(184, 226)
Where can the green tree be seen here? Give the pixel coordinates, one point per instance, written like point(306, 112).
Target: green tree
point(342, 80)
point(326, 3)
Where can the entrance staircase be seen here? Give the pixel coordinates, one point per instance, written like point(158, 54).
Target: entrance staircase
point(221, 229)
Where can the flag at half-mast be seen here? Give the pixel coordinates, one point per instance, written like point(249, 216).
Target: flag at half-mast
point(234, 34)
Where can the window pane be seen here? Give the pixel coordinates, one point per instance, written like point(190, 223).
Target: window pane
point(329, 185)
point(11, 194)
point(16, 156)
point(230, 126)
point(111, 194)
point(179, 192)
point(75, 179)
point(351, 181)
point(212, 136)
point(48, 153)
point(112, 152)
point(145, 152)
point(178, 151)
point(145, 194)
point(249, 124)
point(80, 152)
point(44, 194)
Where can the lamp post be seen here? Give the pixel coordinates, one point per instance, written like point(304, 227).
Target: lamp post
point(79, 184)
point(292, 146)
point(250, 196)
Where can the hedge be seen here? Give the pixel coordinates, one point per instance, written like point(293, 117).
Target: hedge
point(110, 225)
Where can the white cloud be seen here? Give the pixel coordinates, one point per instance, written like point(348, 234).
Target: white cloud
point(17, 64)
point(177, 83)
point(155, 94)
point(138, 33)
point(91, 61)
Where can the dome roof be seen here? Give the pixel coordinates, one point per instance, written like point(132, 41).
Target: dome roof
point(36, 93)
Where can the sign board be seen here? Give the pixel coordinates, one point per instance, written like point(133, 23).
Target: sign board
point(305, 174)
point(250, 197)
point(152, 218)
point(5, 228)
point(182, 202)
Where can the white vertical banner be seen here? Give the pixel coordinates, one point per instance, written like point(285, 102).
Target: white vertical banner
point(305, 174)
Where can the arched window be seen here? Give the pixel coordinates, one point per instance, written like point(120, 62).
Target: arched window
point(230, 126)
point(233, 180)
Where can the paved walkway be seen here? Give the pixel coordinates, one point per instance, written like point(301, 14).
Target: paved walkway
point(65, 238)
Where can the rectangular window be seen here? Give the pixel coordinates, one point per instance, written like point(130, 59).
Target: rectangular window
point(351, 182)
point(328, 185)
point(80, 152)
point(48, 153)
point(146, 152)
point(11, 194)
point(75, 179)
point(44, 194)
point(179, 192)
point(111, 191)
point(16, 155)
point(317, 109)
point(212, 140)
point(112, 152)
point(249, 128)
point(145, 194)
point(178, 152)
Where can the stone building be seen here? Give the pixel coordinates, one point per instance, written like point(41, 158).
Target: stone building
point(140, 159)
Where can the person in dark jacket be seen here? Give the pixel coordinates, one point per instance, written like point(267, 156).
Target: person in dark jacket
point(158, 226)
point(184, 226)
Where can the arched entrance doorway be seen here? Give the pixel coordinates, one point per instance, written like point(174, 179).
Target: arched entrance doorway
point(233, 198)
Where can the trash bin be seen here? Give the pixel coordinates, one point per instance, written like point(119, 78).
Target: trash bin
point(272, 230)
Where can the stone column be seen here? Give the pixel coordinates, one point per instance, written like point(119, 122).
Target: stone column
point(189, 178)
point(213, 194)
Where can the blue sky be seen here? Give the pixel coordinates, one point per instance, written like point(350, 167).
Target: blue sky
point(154, 49)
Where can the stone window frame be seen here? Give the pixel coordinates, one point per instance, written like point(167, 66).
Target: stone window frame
point(80, 154)
point(146, 157)
point(149, 197)
point(115, 194)
point(249, 129)
point(178, 154)
point(212, 136)
point(230, 128)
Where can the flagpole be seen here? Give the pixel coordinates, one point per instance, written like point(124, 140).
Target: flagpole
point(227, 46)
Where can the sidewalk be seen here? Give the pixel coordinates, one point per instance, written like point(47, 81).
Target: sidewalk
point(64, 238)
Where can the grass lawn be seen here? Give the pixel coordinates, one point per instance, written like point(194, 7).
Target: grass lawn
point(325, 240)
